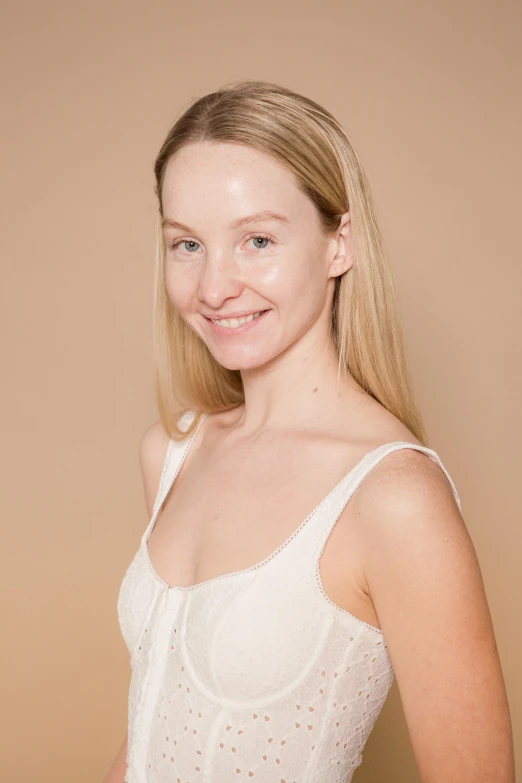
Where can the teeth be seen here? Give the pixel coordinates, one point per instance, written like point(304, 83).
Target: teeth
point(233, 323)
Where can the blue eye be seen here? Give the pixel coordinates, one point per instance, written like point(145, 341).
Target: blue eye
point(191, 246)
point(184, 241)
point(263, 237)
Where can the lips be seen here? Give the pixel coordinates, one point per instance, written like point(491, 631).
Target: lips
point(229, 316)
point(225, 331)
point(237, 318)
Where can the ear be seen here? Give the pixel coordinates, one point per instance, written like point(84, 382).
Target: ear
point(343, 257)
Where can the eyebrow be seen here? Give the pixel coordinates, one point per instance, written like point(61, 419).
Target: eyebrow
point(238, 223)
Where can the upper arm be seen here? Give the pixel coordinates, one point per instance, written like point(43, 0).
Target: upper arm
point(152, 450)
point(424, 579)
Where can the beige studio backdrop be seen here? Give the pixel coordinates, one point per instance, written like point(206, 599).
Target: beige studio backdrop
point(428, 93)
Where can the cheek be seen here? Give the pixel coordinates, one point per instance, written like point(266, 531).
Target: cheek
point(181, 289)
point(296, 282)
point(283, 280)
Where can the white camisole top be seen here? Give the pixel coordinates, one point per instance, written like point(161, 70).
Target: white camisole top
point(254, 675)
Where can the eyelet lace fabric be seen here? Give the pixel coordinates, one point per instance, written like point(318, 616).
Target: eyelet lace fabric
point(255, 675)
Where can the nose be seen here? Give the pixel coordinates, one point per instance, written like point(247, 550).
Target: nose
point(219, 280)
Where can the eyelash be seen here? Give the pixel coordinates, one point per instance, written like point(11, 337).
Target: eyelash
point(252, 236)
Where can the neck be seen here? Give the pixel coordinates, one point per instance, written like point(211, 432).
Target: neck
point(301, 388)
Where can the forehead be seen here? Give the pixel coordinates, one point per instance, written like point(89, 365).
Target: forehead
point(225, 180)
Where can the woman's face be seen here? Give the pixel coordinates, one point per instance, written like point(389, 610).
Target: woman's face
point(224, 257)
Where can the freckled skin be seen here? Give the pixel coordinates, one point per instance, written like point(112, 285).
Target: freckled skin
point(217, 270)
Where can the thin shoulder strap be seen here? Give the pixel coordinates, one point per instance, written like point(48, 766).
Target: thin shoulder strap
point(173, 456)
point(161, 486)
point(388, 448)
point(347, 486)
point(382, 451)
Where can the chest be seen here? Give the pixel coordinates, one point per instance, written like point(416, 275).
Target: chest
point(228, 512)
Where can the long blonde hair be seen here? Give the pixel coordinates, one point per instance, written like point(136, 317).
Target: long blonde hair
point(365, 320)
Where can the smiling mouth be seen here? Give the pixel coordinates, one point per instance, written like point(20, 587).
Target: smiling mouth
point(233, 323)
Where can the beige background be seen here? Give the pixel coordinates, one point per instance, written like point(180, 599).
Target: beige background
point(428, 94)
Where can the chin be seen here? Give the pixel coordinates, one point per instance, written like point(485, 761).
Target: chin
point(242, 362)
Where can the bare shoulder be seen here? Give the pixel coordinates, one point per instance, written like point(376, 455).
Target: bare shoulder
point(404, 478)
point(152, 450)
point(425, 583)
point(406, 501)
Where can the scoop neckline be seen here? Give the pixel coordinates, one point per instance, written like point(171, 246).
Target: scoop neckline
point(274, 553)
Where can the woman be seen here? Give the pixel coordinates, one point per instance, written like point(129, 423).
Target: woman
point(265, 615)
